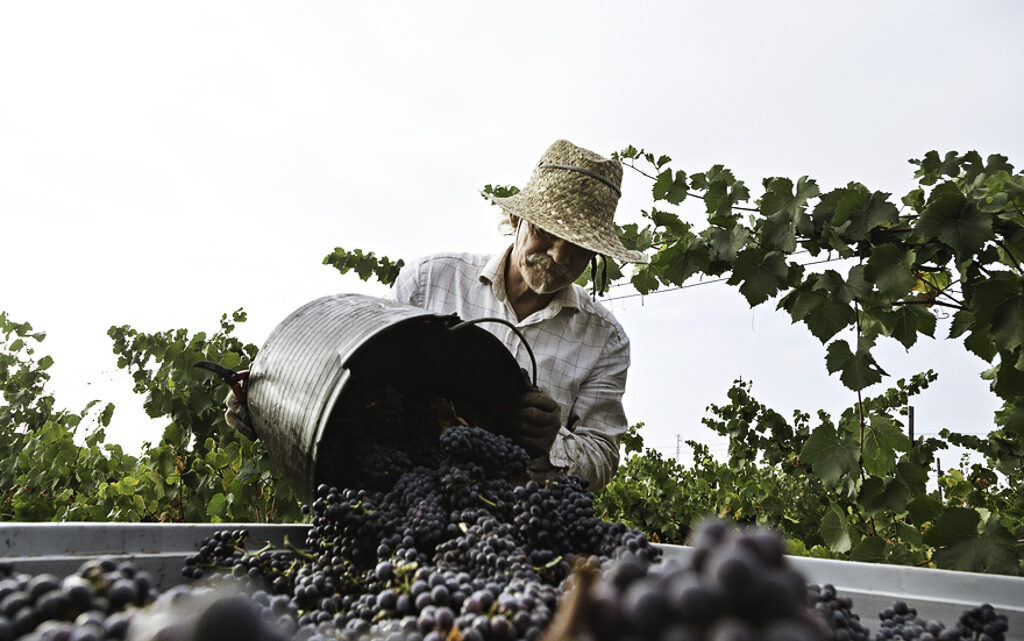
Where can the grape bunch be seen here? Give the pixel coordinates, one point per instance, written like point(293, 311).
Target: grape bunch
point(837, 613)
point(736, 586)
point(93, 604)
point(981, 623)
point(455, 547)
point(455, 550)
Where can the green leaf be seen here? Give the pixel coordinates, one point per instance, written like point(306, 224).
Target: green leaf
point(230, 360)
point(823, 303)
point(173, 433)
point(998, 302)
point(834, 530)
point(672, 189)
point(912, 474)
point(829, 457)
point(644, 280)
point(216, 505)
point(45, 363)
point(677, 263)
point(871, 549)
point(906, 321)
point(889, 268)
point(726, 243)
point(882, 439)
point(671, 223)
point(995, 551)
point(950, 218)
point(781, 207)
point(857, 211)
point(954, 524)
point(895, 496)
point(858, 370)
point(762, 274)
point(909, 533)
point(870, 495)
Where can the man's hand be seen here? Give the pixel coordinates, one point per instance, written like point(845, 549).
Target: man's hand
point(237, 417)
point(536, 422)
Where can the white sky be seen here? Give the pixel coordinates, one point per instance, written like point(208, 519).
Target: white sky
point(161, 164)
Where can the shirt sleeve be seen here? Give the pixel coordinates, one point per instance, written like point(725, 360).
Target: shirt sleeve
point(589, 448)
point(407, 285)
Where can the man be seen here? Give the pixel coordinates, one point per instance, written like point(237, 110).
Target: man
point(573, 421)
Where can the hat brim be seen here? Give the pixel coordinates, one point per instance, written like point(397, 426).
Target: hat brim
point(601, 240)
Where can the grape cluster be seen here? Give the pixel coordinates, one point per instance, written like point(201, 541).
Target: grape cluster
point(93, 604)
point(455, 550)
point(902, 622)
point(982, 623)
point(736, 586)
point(837, 613)
point(222, 550)
point(453, 547)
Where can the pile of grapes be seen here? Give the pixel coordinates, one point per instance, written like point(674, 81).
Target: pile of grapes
point(460, 552)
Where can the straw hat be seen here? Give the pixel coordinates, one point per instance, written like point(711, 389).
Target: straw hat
point(572, 194)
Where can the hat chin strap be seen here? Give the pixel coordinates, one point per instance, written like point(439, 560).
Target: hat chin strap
point(595, 290)
point(585, 172)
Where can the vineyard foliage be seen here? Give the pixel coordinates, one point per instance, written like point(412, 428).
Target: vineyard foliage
point(852, 485)
point(199, 470)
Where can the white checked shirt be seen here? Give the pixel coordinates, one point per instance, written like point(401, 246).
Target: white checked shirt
point(582, 353)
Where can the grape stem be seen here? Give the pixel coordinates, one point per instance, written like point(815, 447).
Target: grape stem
point(298, 551)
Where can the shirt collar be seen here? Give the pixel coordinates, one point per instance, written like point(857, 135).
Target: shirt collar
point(493, 274)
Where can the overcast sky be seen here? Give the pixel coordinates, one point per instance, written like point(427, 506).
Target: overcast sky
point(161, 164)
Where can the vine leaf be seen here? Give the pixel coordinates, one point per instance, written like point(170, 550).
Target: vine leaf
point(761, 274)
point(830, 457)
point(781, 207)
point(882, 439)
point(858, 211)
point(859, 370)
point(834, 530)
point(950, 218)
point(678, 262)
point(365, 265)
point(823, 303)
point(725, 243)
point(870, 495)
point(905, 322)
point(672, 189)
point(962, 548)
point(999, 304)
point(871, 549)
point(890, 269)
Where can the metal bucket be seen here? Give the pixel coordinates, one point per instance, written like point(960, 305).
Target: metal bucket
point(313, 362)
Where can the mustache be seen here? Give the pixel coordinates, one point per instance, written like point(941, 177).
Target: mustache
point(546, 263)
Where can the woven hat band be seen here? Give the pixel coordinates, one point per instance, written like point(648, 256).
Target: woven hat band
point(585, 172)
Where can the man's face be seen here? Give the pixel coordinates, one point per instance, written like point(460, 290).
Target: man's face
point(547, 263)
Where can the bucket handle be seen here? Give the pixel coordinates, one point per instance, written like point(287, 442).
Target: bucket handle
point(490, 319)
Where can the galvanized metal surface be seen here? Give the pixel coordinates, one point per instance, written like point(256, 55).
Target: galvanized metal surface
point(937, 594)
point(303, 369)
